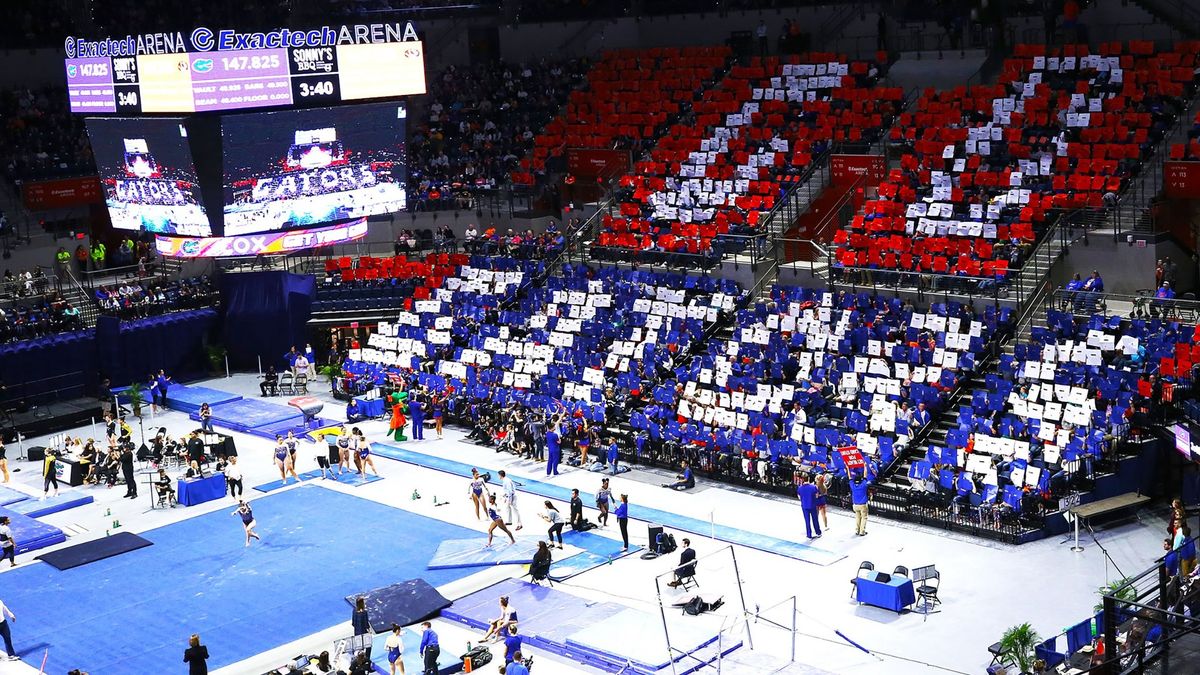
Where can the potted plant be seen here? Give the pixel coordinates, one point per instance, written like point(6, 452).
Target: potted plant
point(216, 358)
point(327, 371)
point(137, 397)
point(1019, 646)
point(1120, 589)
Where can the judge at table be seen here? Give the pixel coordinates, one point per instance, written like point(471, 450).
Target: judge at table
point(354, 412)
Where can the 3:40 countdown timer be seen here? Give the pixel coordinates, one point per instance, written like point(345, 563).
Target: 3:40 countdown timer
point(315, 88)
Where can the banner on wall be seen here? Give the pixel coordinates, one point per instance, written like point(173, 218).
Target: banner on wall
point(849, 168)
point(63, 193)
point(268, 243)
point(592, 163)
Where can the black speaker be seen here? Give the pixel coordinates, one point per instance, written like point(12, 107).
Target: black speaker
point(653, 530)
point(37, 453)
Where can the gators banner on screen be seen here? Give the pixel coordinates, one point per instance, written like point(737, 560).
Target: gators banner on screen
point(260, 244)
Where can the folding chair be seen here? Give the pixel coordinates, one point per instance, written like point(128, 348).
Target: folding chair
point(927, 580)
point(866, 565)
point(286, 384)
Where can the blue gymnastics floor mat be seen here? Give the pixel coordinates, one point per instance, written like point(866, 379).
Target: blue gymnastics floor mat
point(199, 577)
point(36, 508)
point(31, 533)
point(567, 625)
point(460, 553)
point(597, 551)
point(9, 496)
point(349, 478)
point(245, 414)
point(732, 535)
point(187, 398)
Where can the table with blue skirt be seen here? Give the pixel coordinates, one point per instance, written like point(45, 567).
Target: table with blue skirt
point(192, 491)
point(895, 594)
point(371, 407)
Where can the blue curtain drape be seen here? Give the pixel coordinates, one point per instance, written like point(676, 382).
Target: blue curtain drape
point(266, 313)
point(174, 342)
point(59, 367)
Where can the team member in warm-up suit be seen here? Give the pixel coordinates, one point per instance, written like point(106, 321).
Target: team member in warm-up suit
point(416, 410)
point(622, 514)
point(553, 452)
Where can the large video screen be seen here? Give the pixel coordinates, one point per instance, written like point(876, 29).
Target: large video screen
point(148, 176)
point(297, 168)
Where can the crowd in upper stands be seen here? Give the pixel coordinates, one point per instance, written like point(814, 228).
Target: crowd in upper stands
point(985, 168)
point(134, 299)
point(39, 137)
point(479, 122)
point(38, 316)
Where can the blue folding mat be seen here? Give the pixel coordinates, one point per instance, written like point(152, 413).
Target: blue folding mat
point(36, 508)
point(222, 589)
point(597, 551)
point(564, 624)
point(725, 533)
point(94, 550)
point(30, 533)
point(10, 496)
point(247, 413)
point(459, 553)
point(187, 398)
point(347, 478)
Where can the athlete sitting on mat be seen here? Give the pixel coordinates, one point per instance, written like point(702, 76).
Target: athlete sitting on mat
point(499, 626)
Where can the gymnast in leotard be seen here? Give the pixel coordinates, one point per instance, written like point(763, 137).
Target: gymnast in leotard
point(247, 515)
point(476, 492)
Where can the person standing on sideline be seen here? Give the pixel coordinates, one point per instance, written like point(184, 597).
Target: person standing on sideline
point(553, 451)
point(430, 649)
point(7, 616)
point(552, 516)
point(761, 33)
point(50, 473)
point(7, 542)
point(127, 470)
point(196, 656)
point(807, 492)
point(860, 495)
point(395, 649)
point(416, 411)
point(360, 619)
point(509, 488)
point(163, 383)
point(3, 460)
point(622, 514)
point(1187, 552)
point(247, 515)
point(603, 498)
point(233, 478)
point(821, 480)
point(364, 453)
point(206, 423)
point(476, 491)
point(512, 643)
point(613, 455)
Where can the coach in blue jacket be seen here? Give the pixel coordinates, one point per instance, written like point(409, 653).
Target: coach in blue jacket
point(807, 492)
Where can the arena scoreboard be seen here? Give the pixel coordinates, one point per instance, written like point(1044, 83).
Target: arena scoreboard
point(204, 81)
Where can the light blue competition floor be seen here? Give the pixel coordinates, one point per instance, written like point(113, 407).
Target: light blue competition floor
point(674, 521)
point(139, 608)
